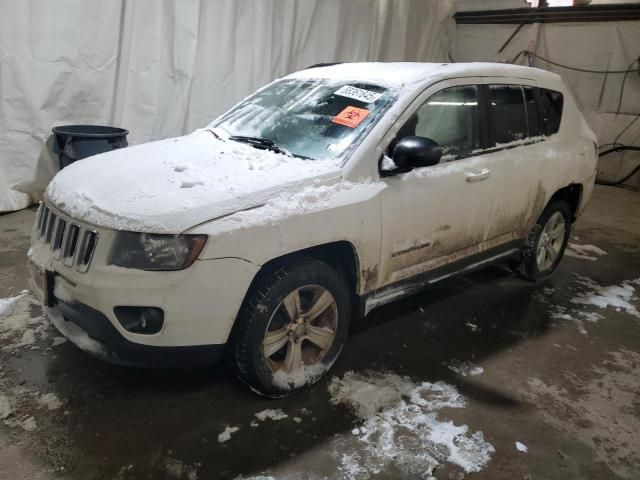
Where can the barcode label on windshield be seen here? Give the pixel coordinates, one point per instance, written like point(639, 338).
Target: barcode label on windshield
point(356, 93)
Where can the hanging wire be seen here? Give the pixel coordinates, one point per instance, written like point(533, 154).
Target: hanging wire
point(620, 181)
point(569, 67)
point(626, 128)
point(615, 142)
point(624, 79)
point(619, 147)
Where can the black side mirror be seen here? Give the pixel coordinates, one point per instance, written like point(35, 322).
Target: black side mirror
point(413, 152)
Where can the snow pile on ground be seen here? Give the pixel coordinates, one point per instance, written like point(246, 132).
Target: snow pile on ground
point(18, 404)
point(473, 327)
point(465, 368)
point(273, 414)
point(27, 423)
point(5, 407)
point(400, 426)
point(614, 296)
point(226, 435)
point(559, 312)
point(50, 401)
point(21, 324)
point(591, 294)
point(584, 252)
point(14, 312)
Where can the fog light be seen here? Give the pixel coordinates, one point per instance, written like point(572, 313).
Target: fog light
point(145, 320)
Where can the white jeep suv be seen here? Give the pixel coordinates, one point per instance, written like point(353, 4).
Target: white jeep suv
point(325, 194)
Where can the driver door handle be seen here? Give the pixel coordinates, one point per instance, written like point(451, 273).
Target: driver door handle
point(479, 175)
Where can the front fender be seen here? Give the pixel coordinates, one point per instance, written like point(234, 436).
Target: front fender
point(313, 217)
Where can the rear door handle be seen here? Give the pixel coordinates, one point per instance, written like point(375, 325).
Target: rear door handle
point(479, 175)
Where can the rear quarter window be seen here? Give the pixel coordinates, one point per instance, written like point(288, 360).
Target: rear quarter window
point(551, 103)
point(533, 116)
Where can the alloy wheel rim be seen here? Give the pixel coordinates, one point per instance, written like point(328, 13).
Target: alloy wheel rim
point(301, 330)
point(550, 241)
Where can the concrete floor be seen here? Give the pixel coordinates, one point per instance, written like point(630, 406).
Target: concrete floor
point(572, 398)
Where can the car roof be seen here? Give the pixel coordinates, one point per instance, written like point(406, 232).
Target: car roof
point(407, 73)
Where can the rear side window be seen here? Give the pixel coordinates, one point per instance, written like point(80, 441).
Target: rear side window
point(508, 113)
point(551, 110)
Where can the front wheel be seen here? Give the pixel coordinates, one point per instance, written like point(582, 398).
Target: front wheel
point(292, 327)
point(546, 243)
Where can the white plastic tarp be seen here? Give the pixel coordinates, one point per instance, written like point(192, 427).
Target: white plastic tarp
point(160, 69)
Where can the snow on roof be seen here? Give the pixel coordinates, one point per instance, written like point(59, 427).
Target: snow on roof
point(407, 73)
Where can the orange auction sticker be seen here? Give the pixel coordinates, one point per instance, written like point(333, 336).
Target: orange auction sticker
point(351, 116)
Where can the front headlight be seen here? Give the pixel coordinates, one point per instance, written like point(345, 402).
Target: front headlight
point(150, 251)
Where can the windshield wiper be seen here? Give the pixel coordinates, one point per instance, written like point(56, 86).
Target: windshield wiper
point(262, 143)
point(219, 133)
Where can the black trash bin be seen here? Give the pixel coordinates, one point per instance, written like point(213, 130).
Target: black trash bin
point(75, 142)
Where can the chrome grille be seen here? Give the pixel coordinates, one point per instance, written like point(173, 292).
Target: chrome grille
point(69, 241)
point(58, 238)
point(86, 250)
point(51, 221)
point(43, 220)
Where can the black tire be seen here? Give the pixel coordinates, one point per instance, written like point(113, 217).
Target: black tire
point(263, 302)
point(526, 266)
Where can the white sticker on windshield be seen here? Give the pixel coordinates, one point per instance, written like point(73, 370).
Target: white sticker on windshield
point(356, 93)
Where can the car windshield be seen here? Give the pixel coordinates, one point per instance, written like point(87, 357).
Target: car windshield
point(312, 118)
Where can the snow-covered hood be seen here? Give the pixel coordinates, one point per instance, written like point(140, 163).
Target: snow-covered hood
point(171, 185)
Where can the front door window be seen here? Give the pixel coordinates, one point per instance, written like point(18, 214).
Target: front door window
point(450, 118)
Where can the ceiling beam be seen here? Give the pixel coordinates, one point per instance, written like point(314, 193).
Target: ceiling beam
point(583, 13)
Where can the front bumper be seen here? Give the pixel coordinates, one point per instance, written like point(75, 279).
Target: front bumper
point(92, 332)
point(200, 303)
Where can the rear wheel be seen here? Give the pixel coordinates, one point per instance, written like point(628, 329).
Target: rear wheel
point(292, 328)
point(546, 243)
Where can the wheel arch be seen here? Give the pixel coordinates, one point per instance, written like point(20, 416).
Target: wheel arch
point(572, 195)
point(342, 255)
